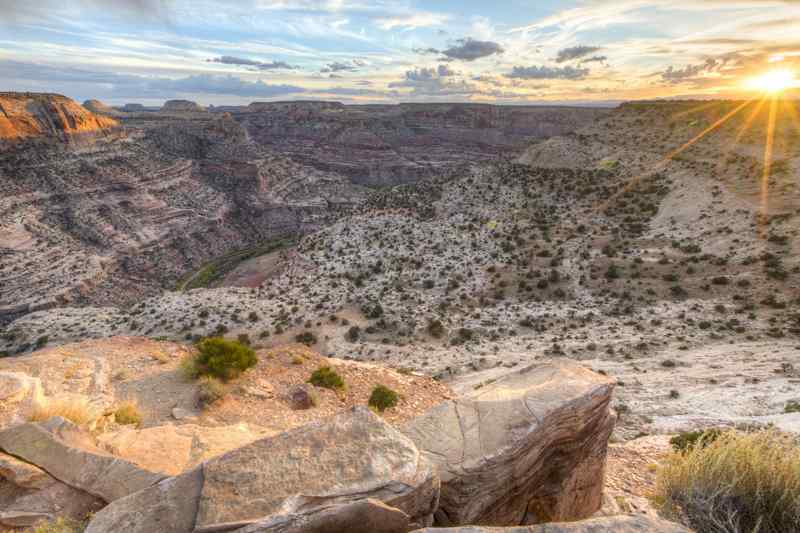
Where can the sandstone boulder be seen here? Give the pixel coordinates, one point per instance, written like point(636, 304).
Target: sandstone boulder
point(362, 516)
point(608, 524)
point(527, 449)
point(22, 474)
point(318, 472)
point(68, 454)
point(355, 455)
point(169, 506)
point(24, 507)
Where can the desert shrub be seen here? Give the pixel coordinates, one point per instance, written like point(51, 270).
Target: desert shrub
point(382, 398)
point(739, 482)
point(792, 406)
point(221, 358)
point(436, 328)
point(326, 377)
point(689, 439)
point(127, 413)
point(307, 338)
point(77, 409)
point(210, 390)
point(353, 334)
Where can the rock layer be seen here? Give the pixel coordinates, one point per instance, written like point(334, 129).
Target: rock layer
point(25, 116)
point(527, 449)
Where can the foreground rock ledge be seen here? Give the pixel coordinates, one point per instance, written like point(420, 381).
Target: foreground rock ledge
point(277, 483)
point(608, 524)
point(527, 449)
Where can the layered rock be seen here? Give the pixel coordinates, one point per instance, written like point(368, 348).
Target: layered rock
point(528, 448)
point(34, 116)
point(69, 455)
point(181, 106)
point(288, 479)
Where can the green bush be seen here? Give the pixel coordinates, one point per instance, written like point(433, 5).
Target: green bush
point(687, 440)
point(382, 398)
point(326, 377)
point(307, 338)
point(739, 482)
point(221, 358)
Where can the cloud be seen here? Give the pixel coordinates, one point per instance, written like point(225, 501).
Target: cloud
point(36, 9)
point(111, 84)
point(343, 66)
point(437, 81)
point(595, 59)
point(575, 52)
point(412, 22)
point(468, 49)
point(675, 75)
point(548, 73)
point(230, 60)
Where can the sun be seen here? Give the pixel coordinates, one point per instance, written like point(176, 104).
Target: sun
point(774, 81)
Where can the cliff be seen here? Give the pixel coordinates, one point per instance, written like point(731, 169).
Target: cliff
point(27, 116)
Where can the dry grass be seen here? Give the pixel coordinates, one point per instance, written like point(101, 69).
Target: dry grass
point(74, 408)
point(740, 482)
point(127, 413)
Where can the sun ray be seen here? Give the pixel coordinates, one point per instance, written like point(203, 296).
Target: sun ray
point(765, 175)
point(741, 133)
point(788, 106)
point(670, 156)
point(696, 109)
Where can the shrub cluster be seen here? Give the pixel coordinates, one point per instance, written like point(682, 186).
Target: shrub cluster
point(382, 398)
point(326, 377)
point(735, 482)
point(220, 358)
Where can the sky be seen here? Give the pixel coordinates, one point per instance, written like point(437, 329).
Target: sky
point(359, 51)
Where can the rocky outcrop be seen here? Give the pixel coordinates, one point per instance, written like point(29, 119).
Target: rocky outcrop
point(68, 454)
point(611, 524)
point(25, 116)
point(527, 449)
point(181, 106)
point(291, 478)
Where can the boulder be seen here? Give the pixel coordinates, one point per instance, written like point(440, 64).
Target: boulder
point(353, 456)
point(68, 454)
point(301, 397)
point(608, 524)
point(22, 474)
point(169, 506)
point(361, 516)
point(302, 478)
point(22, 507)
point(529, 448)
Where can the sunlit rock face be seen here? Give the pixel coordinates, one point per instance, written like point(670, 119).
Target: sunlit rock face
point(32, 116)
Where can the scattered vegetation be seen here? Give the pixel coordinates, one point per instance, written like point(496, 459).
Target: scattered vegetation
point(210, 390)
point(382, 398)
point(220, 358)
point(76, 409)
point(327, 378)
point(738, 482)
point(127, 413)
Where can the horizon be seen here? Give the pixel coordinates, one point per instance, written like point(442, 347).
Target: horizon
point(584, 53)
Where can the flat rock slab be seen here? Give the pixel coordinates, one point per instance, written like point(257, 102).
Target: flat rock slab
point(352, 471)
point(353, 456)
point(172, 450)
point(609, 524)
point(23, 474)
point(529, 448)
point(68, 454)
